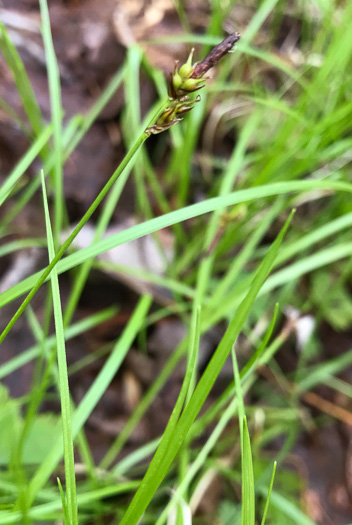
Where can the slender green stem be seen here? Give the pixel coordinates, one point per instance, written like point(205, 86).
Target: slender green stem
point(75, 232)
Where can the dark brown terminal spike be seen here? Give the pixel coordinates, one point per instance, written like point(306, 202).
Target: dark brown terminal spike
point(215, 55)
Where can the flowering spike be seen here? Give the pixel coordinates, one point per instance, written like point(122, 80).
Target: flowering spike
point(188, 79)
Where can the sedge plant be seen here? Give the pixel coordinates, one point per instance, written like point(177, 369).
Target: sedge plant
point(285, 156)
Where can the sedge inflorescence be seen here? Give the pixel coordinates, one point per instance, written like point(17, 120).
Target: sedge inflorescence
point(186, 80)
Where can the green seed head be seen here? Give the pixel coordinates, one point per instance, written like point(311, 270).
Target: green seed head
point(167, 115)
point(191, 84)
point(176, 81)
point(187, 68)
point(185, 71)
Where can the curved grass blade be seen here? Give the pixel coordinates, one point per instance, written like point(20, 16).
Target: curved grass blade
point(269, 493)
point(93, 395)
point(248, 493)
point(150, 226)
point(169, 446)
point(63, 378)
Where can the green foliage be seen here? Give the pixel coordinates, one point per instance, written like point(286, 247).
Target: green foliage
point(71, 498)
point(282, 120)
point(39, 440)
point(22, 81)
point(248, 497)
point(332, 299)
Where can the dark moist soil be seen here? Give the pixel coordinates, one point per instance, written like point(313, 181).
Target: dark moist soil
point(90, 40)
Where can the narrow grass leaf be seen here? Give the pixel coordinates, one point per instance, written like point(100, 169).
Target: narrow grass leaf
point(289, 509)
point(75, 232)
point(72, 331)
point(98, 106)
point(24, 163)
point(94, 394)
point(63, 378)
point(56, 112)
point(201, 458)
point(239, 394)
point(266, 507)
point(259, 351)
point(313, 237)
point(307, 264)
point(248, 493)
point(21, 244)
point(244, 255)
point(234, 165)
point(82, 125)
point(257, 20)
point(23, 84)
point(172, 422)
point(151, 226)
point(142, 453)
point(286, 275)
point(158, 469)
point(146, 402)
point(146, 276)
point(86, 498)
point(63, 501)
point(191, 371)
point(318, 374)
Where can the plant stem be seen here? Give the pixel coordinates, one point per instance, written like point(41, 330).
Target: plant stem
point(75, 232)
